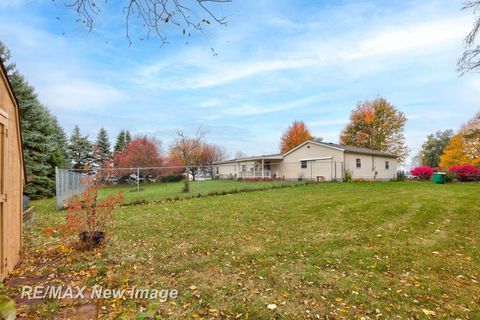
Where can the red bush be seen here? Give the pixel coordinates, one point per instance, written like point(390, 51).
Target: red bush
point(422, 172)
point(87, 213)
point(465, 172)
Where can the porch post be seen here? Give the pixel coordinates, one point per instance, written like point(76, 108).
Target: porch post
point(254, 165)
point(262, 168)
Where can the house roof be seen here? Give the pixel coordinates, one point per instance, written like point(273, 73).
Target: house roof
point(353, 149)
point(275, 156)
point(345, 148)
point(336, 146)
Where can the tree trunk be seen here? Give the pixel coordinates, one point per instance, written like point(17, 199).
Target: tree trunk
point(187, 181)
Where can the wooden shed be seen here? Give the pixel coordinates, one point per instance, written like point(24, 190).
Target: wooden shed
point(12, 177)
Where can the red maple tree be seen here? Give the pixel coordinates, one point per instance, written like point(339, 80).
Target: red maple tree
point(141, 152)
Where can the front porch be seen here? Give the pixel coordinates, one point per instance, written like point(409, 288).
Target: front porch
point(259, 167)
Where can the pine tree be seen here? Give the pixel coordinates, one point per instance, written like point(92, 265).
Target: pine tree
point(128, 138)
point(80, 150)
point(121, 143)
point(102, 148)
point(43, 138)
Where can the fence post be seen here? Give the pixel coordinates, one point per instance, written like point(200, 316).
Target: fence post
point(57, 185)
point(138, 179)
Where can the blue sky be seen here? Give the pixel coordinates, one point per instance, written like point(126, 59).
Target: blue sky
point(277, 61)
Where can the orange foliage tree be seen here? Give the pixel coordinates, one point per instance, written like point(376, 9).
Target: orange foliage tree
point(454, 153)
point(376, 125)
point(464, 148)
point(296, 134)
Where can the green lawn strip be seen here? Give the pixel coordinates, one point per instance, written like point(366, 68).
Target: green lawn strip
point(174, 190)
point(342, 249)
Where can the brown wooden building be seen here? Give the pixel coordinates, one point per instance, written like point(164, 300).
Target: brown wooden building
point(12, 177)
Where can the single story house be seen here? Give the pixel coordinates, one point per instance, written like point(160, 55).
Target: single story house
point(316, 161)
point(12, 177)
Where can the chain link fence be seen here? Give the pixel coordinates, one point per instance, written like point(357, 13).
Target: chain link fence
point(140, 185)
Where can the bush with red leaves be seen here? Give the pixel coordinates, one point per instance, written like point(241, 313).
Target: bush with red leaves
point(422, 172)
point(465, 172)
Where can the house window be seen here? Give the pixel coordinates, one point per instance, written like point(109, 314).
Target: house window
point(387, 165)
point(303, 164)
point(359, 163)
point(244, 167)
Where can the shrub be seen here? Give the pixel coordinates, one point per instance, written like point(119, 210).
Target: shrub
point(363, 180)
point(348, 176)
point(401, 175)
point(259, 179)
point(450, 176)
point(465, 172)
point(172, 178)
point(422, 172)
point(88, 214)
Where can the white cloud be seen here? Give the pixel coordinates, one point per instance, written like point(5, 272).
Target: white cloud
point(250, 110)
point(408, 40)
point(411, 38)
point(79, 94)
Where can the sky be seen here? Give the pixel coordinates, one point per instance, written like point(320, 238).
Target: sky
point(274, 62)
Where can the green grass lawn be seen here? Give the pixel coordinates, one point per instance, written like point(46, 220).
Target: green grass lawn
point(174, 190)
point(400, 250)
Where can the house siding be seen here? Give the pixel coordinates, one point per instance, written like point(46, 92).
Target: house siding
point(324, 170)
point(369, 165)
point(372, 166)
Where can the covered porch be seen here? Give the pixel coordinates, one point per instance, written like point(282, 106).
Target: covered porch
point(261, 167)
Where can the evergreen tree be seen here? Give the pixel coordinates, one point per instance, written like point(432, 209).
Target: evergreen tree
point(128, 138)
point(121, 142)
point(80, 150)
point(102, 148)
point(43, 138)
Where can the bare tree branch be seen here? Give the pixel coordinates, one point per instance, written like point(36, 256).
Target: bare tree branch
point(154, 15)
point(470, 60)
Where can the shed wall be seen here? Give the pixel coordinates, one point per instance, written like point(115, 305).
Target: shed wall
point(11, 211)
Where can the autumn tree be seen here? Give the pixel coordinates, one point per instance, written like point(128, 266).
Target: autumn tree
point(464, 147)
point(433, 147)
point(210, 155)
point(141, 152)
point(471, 136)
point(188, 151)
point(454, 153)
point(376, 125)
point(296, 134)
